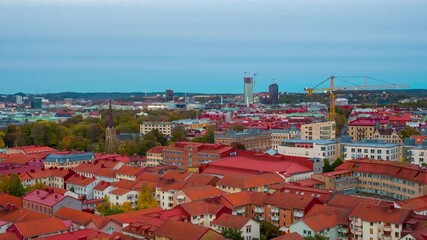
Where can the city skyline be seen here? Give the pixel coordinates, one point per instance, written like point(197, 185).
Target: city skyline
point(150, 46)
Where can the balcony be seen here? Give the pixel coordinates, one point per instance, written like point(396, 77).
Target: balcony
point(387, 228)
point(386, 238)
point(358, 232)
point(261, 218)
point(275, 218)
point(240, 210)
point(259, 210)
point(275, 210)
point(357, 223)
point(298, 214)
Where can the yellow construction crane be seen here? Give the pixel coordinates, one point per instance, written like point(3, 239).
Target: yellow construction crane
point(331, 89)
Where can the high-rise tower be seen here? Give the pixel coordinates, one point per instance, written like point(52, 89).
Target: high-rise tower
point(248, 88)
point(110, 133)
point(273, 91)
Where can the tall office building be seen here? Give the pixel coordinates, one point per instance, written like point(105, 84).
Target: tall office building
point(273, 91)
point(248, 87)
point(169, 94)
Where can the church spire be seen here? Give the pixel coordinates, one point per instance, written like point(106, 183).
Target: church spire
point(110, 117)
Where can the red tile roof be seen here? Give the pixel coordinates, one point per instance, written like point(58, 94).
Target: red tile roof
point(349, 202)
point(156, 149)
point(239, 199)
point(187, 231)
point(20, 215)
point(39, 227)
point(79, 235)
point(322, 194)
point(105, 172)
point(17, 158)
point(203, 179)
point(128, 216)
point(200, 208)
point(250, 181)
point(76, 216)
point(416, 204)
point(145, 226)
point(231, 221)
point(80, 180)
point(395, 169)
point(289, 201)
point(290, 236)
point(375, 213)
point(176, 174)
point(129, 171)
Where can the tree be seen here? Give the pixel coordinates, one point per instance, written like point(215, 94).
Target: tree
point(315, 237)
point(237, 127)
point(232, 233)
point(268, 230)
point(237, 145)
point(39, 186)
point(407, 132)
point(146, 199)
point(12, 185)
point(336, 163)
point(178, 134)
point(2, 135)
point(326, 166)
point(208, 137)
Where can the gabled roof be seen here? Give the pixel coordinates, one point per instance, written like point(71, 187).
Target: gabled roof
point(78, 235)
point(202, 192)
point(18, 158)
point(415, 204)
point(200, 208)
point(289, 201)
point(80, 180)
point(79, 217)
point(231, 221)
point(187, 231)
point(322, 217)
point(9, 199)
point(176, 174)
point(290, 236)
point(250, 181)
point(239, 199)
point(375, 213)
point(145, 226)
point(349, 202)
point(39, 227)
point(129, 171)
point(44, 197)
point(128, 216)
point(20, 215)
point(202, 179)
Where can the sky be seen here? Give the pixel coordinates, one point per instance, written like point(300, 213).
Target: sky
point(206, 46)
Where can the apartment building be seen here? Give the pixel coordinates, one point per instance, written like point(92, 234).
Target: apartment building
point(48, 202)
point(343, 181)
point(67, 160)
point(416, 153)
point(249, 228)
point(360, 129)
point(385, 178)
point(323, 149)
point(257, 183)
point(155, 156)
point(278, 135)
point(387, 135)
point(377, 222)
point(372, 149)
point(164, 127)
point(119, 196)
point(318, 131)
point(252, 139)
point(186, 155)
point(83, 186)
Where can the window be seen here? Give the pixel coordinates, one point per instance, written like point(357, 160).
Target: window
point(371, 231)
point(110, 230)
point(248, 229)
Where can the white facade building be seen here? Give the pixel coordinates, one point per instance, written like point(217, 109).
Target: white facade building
point(372, 149)
point(323, 149)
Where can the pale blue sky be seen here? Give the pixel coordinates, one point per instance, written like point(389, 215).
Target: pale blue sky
point(205, 46)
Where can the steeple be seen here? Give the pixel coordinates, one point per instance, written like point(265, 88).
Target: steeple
point(110, 117)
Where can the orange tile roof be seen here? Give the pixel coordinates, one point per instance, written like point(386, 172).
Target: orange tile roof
point(9, 199)
point(231, 221)
point(39, 227)
point(78, 217)
point(105, 172)
point(102, 221)
point(156, 149)
point(149, 177)
point(9, 236)
point(200, 208)
point(101, 186)
point(17, 158)
point(124, 183)
point(187, 231)
point(202, 192)
point(375, 213)
point(120, 191)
